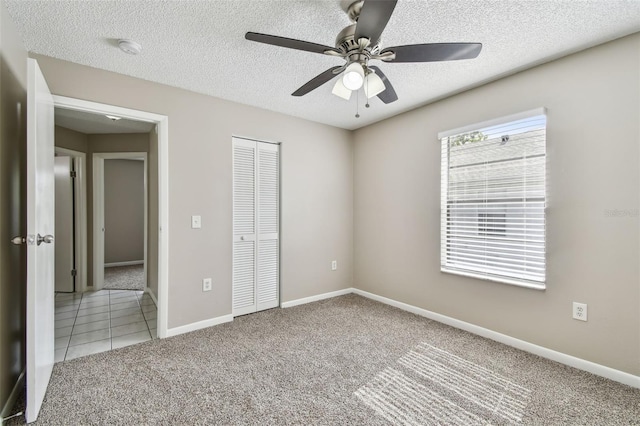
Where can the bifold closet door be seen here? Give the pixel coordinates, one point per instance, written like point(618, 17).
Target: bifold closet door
point(255, 226)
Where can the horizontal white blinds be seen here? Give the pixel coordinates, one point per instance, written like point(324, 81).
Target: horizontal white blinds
point(493, 202)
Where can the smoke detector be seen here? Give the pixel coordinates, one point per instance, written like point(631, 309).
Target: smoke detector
point(129, 46)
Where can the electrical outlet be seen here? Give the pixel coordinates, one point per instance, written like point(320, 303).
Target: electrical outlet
point(580, 311)
point(334, 265)
point(206, 284)
point(196, 222)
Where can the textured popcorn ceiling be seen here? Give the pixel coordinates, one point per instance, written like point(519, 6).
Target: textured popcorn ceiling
point(200, 45)
point(90, 123)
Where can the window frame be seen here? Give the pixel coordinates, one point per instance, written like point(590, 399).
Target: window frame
point(444, 197)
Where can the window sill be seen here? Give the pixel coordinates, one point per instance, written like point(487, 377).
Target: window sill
point(511, 281)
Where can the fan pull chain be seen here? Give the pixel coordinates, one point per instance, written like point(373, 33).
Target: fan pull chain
point(367, 99)
point(357, 103)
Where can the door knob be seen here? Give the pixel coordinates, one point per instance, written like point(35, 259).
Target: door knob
point(242, 238)
point(46, 239)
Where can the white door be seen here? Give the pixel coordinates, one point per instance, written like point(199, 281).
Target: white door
point(64, 246)
point(40, 247)
point(255, 226)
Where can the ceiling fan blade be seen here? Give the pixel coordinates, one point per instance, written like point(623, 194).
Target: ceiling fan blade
point(433, 52)
point(389, 95)
point(373, 18)
point(288, 42)
point(316, 82)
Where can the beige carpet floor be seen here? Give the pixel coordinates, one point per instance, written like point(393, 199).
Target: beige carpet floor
point(342, 361)
point(124, 278)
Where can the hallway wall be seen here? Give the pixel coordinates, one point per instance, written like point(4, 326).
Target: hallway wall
point(123, 211)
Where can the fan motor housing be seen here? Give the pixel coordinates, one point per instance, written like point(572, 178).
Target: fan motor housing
point(346, 41)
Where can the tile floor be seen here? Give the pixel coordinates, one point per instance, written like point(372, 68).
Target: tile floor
point(92, 322)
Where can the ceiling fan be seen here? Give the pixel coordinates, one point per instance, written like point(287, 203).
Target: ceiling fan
point(360, 43)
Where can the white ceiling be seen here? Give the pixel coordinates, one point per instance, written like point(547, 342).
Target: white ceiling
point(91, 124)
point(200, 45)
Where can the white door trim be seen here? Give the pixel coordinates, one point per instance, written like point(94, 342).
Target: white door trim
point(80, 161)
point(162, 122)
point(98, 211)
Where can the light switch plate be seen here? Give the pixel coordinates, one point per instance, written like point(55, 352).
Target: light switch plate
point(196, 222)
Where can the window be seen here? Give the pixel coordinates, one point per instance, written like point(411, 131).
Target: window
point(493, 199)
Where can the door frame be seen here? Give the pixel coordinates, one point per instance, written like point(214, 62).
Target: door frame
point(80, 195)
point(99, 207)
point(162, 128)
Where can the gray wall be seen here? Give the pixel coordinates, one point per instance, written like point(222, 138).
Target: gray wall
point(593, 102)
point(317, 188)
point(13, 75)
point(123, 210)
point(70, 139)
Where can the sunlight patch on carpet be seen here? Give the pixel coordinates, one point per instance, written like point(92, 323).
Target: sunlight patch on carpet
point(402, 400)
point(436, 386)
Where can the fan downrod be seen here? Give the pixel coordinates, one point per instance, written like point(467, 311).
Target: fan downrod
point(352, 8)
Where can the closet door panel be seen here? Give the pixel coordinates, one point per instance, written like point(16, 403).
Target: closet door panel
point(268, 187)
point(244, 227)
point(244, 295)
point(256, 226)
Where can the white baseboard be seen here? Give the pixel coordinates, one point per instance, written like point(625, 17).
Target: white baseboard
point(316, 298)
point(151, 294)
point(199, 325)
point(13, 396)
point(127, 263)
point(579, 363)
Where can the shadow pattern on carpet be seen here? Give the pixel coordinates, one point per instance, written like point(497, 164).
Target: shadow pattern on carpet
point(346, 360)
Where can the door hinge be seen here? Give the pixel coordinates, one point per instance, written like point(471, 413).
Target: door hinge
point(73, 174)
point(74, 272)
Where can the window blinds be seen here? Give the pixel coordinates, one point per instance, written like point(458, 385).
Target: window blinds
point(493, 199)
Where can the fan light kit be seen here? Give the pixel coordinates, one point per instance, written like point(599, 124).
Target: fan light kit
point(353, 76)
point(360, 43)
point(129, 46)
